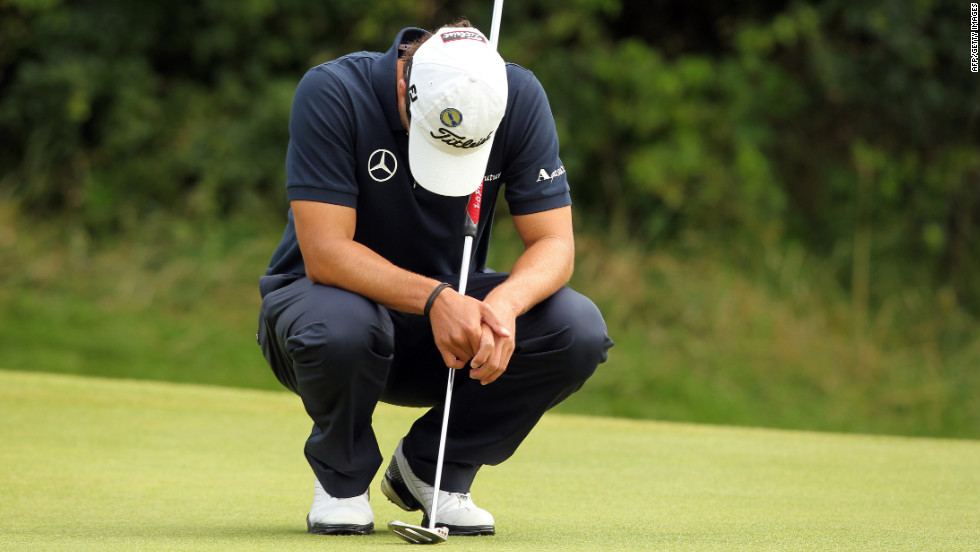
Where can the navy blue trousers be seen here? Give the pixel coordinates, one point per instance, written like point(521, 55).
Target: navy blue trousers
point(342, 353)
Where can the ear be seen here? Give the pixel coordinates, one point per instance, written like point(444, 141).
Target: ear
point(402, 87)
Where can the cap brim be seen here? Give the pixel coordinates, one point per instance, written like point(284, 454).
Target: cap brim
point(442, 173)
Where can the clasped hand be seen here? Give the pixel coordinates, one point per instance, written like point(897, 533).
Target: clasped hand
point(473, 333)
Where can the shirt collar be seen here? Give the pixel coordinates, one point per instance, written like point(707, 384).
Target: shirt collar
point(383, 75)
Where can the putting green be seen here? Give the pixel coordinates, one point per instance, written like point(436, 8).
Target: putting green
point(99, 464)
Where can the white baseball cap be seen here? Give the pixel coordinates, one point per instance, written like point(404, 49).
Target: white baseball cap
point(457, 94)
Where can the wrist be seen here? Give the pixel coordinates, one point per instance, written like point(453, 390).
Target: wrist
point(436, 291)
point(501, 299)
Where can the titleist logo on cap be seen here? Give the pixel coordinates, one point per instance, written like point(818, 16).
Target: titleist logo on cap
point(450, 138)
point(462, 35)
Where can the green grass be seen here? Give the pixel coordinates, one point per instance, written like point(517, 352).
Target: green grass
point(111, 464)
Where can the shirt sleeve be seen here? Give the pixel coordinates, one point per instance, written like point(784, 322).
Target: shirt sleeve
point(533, 173)
point(320, 157)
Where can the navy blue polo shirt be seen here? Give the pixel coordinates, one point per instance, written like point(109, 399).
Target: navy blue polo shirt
point(348, 147)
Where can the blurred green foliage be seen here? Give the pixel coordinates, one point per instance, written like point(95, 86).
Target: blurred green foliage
point(829, 150)
point(850, 127)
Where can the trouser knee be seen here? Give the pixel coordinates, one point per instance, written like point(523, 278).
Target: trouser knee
point(571, 335)
point(315, 335)
point(339, 347)
point(358, 344)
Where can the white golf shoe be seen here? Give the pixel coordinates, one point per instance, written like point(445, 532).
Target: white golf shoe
point(339, 516)
point(456, 511)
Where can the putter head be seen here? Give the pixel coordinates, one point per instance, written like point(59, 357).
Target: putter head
point(416, 534)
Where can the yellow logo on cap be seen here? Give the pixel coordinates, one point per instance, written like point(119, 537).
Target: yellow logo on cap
point(451, 117)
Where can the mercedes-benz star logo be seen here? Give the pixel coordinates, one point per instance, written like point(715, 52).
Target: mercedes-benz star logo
point(382, 165)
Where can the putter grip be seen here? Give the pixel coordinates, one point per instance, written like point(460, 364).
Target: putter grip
point(473, 212)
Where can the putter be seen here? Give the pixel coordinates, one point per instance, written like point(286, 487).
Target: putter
point(417, 534)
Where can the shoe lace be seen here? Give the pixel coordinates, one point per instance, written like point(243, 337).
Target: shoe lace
point(461, 500)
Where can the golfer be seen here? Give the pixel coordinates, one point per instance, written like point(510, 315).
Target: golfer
point(359, 302)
